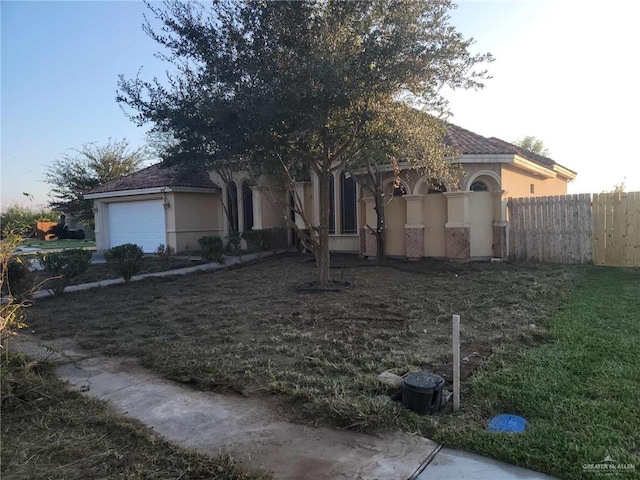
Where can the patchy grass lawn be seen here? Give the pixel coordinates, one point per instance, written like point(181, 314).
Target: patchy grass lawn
point(249, 331)
point(580, 393)
point(53, 433)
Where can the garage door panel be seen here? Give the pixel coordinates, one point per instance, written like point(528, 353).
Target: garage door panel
point(141, 223)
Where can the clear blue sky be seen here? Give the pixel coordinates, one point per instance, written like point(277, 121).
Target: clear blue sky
point(564, 72)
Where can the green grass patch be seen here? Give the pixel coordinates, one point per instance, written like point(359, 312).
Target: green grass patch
point(580, 393)
point(59, 244)
point(53, 433)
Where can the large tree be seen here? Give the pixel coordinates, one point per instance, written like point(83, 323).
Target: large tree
point(293, 87)
point(533, 144)
point(89, 166)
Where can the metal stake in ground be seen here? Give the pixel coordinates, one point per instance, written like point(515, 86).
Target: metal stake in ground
point(456, 363)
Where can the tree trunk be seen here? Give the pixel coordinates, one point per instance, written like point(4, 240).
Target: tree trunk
point(323, 260)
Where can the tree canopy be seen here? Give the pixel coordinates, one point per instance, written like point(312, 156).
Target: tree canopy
point(297, 86)
point(533, 144)
point(87, 167)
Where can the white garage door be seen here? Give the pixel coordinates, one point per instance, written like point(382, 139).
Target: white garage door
point(141, 223)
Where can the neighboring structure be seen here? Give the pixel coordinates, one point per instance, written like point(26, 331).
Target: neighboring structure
point(156, 205)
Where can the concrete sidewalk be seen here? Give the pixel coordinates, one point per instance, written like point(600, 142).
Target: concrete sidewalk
point(252, 431)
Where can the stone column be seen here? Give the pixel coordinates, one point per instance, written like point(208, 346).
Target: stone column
point(458, 225)
point(367, 238)
point(257, 208)
point(499, 224)
point(414, 228)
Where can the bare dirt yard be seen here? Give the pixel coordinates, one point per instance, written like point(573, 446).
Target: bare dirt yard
point(249, 331)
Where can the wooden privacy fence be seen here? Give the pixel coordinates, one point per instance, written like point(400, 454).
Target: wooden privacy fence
point(600, 228)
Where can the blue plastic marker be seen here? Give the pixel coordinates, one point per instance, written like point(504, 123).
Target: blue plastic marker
point(506, 422)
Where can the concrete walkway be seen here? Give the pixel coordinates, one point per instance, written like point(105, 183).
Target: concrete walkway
point(249, 429)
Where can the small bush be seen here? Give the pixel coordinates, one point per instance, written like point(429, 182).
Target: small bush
point(165, 253)
point(257, 240)
point(126, 260)
point(212, 248)
point(14, 271)
point(59, 231)
point(233, 243)
point(266, 239)
point(63, 267)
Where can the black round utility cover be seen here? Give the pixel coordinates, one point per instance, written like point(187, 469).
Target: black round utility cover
point(423, 381)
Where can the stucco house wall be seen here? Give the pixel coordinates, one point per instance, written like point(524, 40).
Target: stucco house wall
point(466, 221)
point(517, 183)
point(194, 215)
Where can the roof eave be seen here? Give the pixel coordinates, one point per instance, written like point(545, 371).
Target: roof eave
point(147, 191)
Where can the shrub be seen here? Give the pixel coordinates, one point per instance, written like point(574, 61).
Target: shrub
point(14, 271)
point(21, 221)
point(59, 231)
point(233, 243)
point(165, 253)
point(266, 239)
point(63, 267)
point(126, 260)
point(256, 240)
point(212, 248)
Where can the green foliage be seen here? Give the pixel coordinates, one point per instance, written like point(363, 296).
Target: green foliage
point(233, 243)
point(88, 167)
point(62, 267)
point(59, 231)
point(14, 272)
point(265, 239)
point(126, 260)
point(292, 87)
point(165, 253)
point(21, 221)
point(533, 144)
point(212, 248)
point(257, 240)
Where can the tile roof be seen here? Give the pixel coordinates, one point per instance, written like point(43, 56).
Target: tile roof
point(471, 143)
point(158, 176)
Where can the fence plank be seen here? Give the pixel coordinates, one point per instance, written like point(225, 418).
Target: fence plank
point(599, 228)
point(608, 228)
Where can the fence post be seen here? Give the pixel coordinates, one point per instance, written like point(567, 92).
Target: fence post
point(456, 363)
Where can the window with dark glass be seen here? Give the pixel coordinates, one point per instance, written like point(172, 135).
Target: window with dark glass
point(437, 187)
point(332, 206)
point(247, 206)
point(479, 186)
point(232, 206)
point(399, 190)
point(348, 223)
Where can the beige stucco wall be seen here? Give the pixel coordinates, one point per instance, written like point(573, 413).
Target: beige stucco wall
point(395, 214)
point(481, 223)
point(344, 243)
point(517, 183)
point(101, 215)
point(195, 215)
point(188, 216)
point(435, 219)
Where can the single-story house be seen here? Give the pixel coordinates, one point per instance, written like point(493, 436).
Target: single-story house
point(157, 205)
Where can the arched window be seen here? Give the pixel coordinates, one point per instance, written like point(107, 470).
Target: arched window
point(332, 205)
point(436, 187)
point(399, 190)
point(247, 205)
point(348, 222)
point(232, 206)
point(479, 186)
